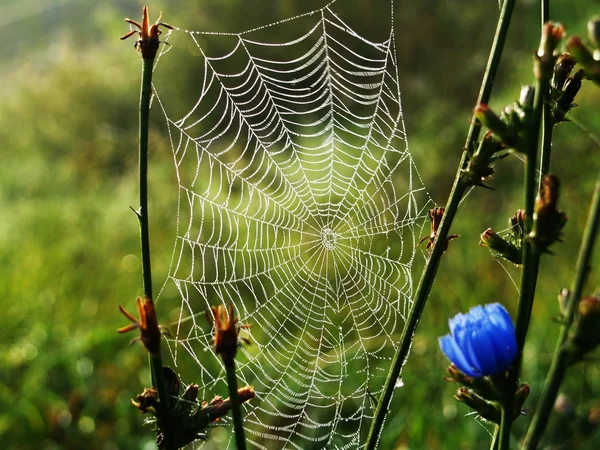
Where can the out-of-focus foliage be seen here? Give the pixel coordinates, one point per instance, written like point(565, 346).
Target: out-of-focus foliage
point(69, 244)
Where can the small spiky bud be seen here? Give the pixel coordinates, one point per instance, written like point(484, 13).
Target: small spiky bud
point(487, 410)
point(150, 331)
point(585, 337)
point(562, 70)
point(517, 224)
point(548, 221)
point(148, 41)
point(506, 132)
point(545, 58)
point(507, 250)
point(585, 57)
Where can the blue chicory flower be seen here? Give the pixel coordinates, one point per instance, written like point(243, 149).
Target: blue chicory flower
point(481, 342)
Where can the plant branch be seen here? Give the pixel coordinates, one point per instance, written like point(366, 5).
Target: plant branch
point(559, 364)
point(155, 360)
point(461, 183)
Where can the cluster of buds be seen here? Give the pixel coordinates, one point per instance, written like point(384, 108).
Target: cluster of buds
point(548, 221)
point(588, 57)
point(584, 337)
point(509, 247)
point(511, 126)
point(189, 417)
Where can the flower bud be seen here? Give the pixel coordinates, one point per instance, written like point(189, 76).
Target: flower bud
point(585, 58)
point(565, 100)
point(544, 62)
point(172, 382)
point(480, 167)
point(191, 393)
point(593, 417)
point(507, 250)
point(481, 342)
point(517, 224)
point(585, 337)
point(508, 134)
point(526, 96)
point(562, 70)
point(485, 409)
point(548, 221)
point(563, 298)
point(147, 401)
point(564, 406)
point(579, 50)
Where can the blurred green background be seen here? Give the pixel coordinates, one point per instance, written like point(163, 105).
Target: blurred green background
point(69, 243)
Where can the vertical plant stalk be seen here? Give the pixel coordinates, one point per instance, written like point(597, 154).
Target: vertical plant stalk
point(227, 330)
point(547, 123)
point(156, 364)
point(236, 409)
point(461, 183)
point(559, 364)
point(147, 45)
point(543, 66)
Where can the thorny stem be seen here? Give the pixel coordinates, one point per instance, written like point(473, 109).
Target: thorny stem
point(156, 364)
point(461, 184)
point(558, 367)
point(236, 410)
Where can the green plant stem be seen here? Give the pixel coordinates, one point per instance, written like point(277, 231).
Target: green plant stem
point(495, 438)
point(505, 423)
point(461, 184)
point(155, 359)
point(547, 127)
point(547, 123)
point(142, 212)
point(559, 364)
point(531, 252)
point(236, 409)
point(545, 11)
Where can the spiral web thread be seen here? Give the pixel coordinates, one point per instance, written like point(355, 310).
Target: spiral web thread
point(299, 203)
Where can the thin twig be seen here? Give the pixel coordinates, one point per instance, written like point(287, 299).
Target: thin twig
point(461, 183)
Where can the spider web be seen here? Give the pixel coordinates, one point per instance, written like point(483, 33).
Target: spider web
point(298, 202)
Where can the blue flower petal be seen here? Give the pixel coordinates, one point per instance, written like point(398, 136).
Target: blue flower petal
point(455, 354)
point(462, 336)
point(487, 353)
point(481, 342)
